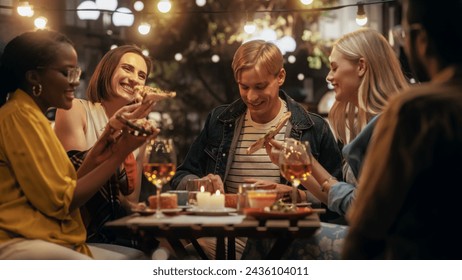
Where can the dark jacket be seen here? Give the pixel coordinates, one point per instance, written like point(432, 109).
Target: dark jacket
point(212, 150)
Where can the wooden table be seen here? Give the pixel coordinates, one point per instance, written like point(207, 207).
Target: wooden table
point(189, 227)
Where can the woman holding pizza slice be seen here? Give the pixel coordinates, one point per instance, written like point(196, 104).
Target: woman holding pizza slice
point(118, 80)
point(41, 193)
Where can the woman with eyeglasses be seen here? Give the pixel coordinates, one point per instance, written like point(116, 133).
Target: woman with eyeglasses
point(40, 191)
point(110, 88)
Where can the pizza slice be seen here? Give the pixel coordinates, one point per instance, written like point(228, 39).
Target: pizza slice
point(260, 143)
point(147, 93)
point(139, 126)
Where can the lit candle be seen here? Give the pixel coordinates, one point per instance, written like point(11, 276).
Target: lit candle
point(203, 199)
point(217, 201)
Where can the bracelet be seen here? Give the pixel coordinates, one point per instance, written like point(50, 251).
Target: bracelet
point(326, 183)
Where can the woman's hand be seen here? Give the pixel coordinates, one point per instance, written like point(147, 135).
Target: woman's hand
point(116, 137)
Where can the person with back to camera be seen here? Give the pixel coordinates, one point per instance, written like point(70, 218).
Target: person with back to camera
point(111, 87)
point(39, 70)
point(220, 150)
point(363, 82)
point(408, 192)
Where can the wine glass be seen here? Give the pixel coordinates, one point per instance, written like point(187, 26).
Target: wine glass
point(159, 165)
point(296, 163)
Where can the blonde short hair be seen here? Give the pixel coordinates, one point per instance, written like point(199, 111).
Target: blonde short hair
point(257, 54)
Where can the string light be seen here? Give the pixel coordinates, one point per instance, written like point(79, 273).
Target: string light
point(361, 18)
point(138, 6)
point(109, 5)
point(201, 3)
point(123, 17)
point(144, 28)
point(24, 9)
point(250, 27)
point(291, 59)
point(215, 58)
point(87, 10)
point(41, 22)
point(178, 56)
point(164, 6)
point(306, 2)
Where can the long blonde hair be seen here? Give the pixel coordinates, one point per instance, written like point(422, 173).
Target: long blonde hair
point(383, 78)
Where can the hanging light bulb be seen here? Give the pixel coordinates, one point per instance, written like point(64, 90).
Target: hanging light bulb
point(24, 9)
point(109, 5)
point(164, 6)
point(306, 2)
point(84, 13)
point(41, 22)
point(250, 27)
point(138, 6)
point(361, 18)
point(144, 28)
point(291, 59)
point(201, 3)
point(178, 56)
point(123, 17)
point(215, 58)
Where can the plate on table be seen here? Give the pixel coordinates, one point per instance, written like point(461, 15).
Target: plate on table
point(149, 211)
point(303, 204)
point(206, 212)
point(261, 214)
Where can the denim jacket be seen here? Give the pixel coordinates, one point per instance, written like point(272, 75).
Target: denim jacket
point(342, 194)
point(213, 150)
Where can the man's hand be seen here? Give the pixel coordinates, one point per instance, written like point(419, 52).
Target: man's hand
point(273, 149)
point(216, 183)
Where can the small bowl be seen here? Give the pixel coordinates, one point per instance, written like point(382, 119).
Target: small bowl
point(261, 198)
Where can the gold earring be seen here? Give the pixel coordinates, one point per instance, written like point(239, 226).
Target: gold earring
point(35, 92)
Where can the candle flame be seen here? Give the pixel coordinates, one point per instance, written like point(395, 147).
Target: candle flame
point(202, 189)
point(217, 192)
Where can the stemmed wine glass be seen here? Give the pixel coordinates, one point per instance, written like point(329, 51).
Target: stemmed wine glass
point(296, 163)
point(159, 165)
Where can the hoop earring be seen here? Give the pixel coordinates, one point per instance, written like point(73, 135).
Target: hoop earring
point(35, 92)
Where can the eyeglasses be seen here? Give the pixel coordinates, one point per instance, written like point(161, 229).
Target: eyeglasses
point(72, 73)
point(400, 33)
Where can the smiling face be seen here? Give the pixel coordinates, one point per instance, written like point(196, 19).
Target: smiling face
point(260, 92)
point(345, 76)
point(56, 89)
point(130, 72)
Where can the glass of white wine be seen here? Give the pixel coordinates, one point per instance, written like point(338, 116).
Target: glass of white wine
point(159, 165)
point(295, 160)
